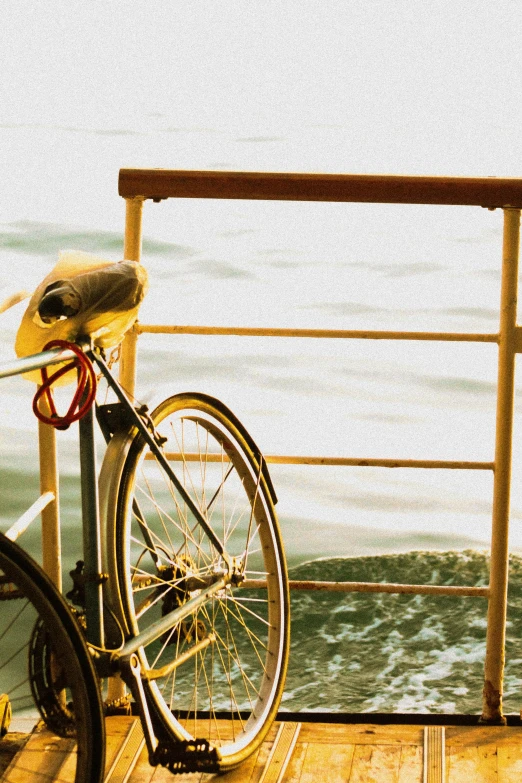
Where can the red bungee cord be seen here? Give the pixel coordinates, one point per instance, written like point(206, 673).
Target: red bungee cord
point(85, 391)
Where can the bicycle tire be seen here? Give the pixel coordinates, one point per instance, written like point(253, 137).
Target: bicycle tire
point(241, 673)
point(57, 671)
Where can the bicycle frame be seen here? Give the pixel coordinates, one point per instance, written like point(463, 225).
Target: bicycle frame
point(125, 659)
point(91, 521)
point(220, 516)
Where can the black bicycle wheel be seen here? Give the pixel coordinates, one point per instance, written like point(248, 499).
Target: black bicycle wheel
point(218, 674)
point(46, 669)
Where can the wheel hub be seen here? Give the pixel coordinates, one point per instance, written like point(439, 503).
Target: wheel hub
point(178, 585)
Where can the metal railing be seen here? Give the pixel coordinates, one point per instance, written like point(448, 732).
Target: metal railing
point(138, 185)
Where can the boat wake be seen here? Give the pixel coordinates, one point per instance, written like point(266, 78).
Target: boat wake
point(377, 652)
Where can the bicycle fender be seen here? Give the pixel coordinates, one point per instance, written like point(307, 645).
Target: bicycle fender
point(242, 431)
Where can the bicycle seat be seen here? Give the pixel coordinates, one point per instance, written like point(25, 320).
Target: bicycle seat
point(83, 295)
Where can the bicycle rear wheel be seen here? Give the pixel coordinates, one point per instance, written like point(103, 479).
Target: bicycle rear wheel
point(232, 652)
point(46, 669)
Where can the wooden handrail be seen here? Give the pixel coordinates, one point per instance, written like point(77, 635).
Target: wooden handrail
point(158, 184)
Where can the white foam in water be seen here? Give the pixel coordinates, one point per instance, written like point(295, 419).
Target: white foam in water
point(397, 653)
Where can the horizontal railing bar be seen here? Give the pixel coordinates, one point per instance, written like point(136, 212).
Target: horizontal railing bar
point(23, 522)
point(364, 462)
point(160, 184)
point(381, 463)
point(373, 587)
point(35, 362)
point(360, 334)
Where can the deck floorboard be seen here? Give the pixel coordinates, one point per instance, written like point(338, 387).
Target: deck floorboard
point(308, 753)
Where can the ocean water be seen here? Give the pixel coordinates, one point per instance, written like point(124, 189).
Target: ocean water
point(398, 653)
point(351, 87)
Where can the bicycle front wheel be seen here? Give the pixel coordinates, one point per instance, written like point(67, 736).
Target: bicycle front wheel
point(219, 673)
point(47, 672)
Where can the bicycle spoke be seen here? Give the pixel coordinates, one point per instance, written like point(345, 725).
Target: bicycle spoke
point(251, 635)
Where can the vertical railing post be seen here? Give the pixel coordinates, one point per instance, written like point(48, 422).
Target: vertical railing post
point(127, 377)
point(131, 252)
point(497, 608)
point(49, 482)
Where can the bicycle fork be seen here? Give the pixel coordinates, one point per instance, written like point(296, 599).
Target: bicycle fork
point(178, 757)
point(185, 755)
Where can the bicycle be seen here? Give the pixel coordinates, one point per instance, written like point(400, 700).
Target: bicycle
point(184, 585)
point(61, 676)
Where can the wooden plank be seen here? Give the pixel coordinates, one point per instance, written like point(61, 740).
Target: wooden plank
point(375, 764)
point(323, 752)
point(476, 764)
point(68, 768)
point(411, 764)
point(280, 753)
point(434, 754)
point(509, 761)
point(274, 186)
point(361, 734)
point(250, 770)
point(142, 772)
point(396, 757)
point(42, 758)
point(296, 763)
point(11, 744)
point(117, 732)
point(331, 763)
point(46, 757)
point(483, 735)
point(257, 768)
point(162, 775)
point(127, 755)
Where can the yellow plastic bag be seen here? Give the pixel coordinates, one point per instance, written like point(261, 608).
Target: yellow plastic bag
point(82, 296)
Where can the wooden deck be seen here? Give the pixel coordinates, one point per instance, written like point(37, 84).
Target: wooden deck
point(307, 753)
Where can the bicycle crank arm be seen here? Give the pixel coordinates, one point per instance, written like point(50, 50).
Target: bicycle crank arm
point(164, 671)
point(130, 668)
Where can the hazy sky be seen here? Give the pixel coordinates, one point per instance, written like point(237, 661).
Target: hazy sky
point(447, 71)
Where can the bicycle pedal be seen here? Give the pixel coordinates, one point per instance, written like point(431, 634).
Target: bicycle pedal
point(187, 756)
